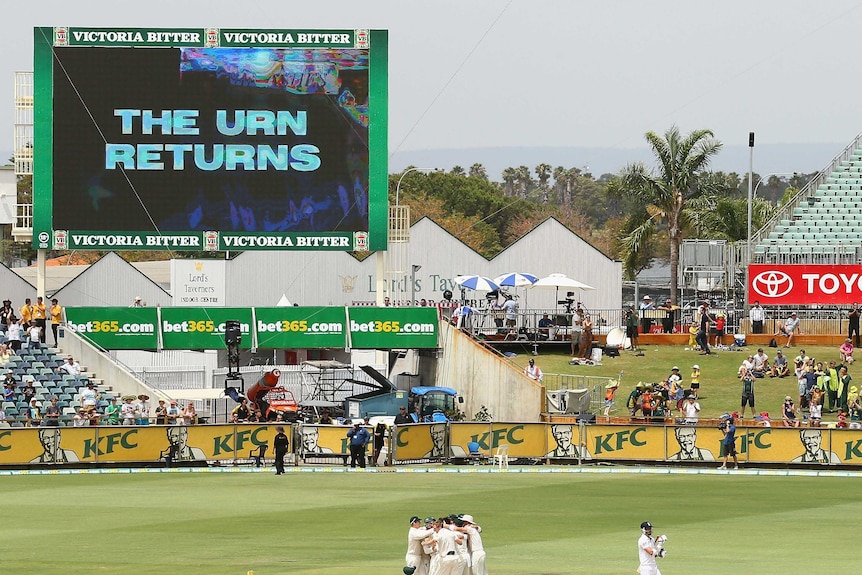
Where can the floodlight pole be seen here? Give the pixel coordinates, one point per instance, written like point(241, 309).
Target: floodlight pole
point(746, 305)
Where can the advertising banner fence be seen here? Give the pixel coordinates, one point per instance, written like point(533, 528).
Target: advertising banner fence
point(434, 442)
point(263, 328)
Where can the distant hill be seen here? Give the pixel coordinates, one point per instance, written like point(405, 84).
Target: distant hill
point(768, 158)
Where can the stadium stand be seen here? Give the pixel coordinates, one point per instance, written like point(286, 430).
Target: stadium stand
point(823, 222)
point(42, 365)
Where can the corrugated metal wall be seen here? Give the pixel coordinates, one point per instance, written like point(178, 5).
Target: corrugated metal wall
point(334, 278)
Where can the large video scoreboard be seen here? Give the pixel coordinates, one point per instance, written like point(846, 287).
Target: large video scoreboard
point(208, 139)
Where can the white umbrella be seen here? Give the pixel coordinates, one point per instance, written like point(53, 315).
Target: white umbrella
point(558, 281)
point(561, 280)
point(476, 283)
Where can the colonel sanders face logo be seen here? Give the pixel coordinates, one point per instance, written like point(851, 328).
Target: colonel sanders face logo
point(772, 284)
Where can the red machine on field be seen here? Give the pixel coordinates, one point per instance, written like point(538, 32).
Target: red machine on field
point(272, 399)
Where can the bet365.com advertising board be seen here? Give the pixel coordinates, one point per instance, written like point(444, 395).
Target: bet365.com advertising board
point(231, 139)
point(263, 328)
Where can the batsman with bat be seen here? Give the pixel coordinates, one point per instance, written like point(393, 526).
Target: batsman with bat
point(649, 549)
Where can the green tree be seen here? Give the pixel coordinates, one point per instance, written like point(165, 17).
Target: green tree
point(664, 195)
point(458, 171)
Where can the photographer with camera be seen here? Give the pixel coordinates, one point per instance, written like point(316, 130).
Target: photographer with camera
point(729, 442)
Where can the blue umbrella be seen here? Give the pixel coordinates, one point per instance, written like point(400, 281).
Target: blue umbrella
point(515, 279)
point(476, 283)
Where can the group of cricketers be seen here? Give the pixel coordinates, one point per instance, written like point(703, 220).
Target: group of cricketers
point(450, 545)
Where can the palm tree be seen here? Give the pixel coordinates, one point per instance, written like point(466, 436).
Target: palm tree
point(524, 180)
point(665, 194)
point(509, 181)
point(478, 171)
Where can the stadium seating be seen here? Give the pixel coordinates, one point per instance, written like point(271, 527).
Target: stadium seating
point(42, 365)
point(825, 226)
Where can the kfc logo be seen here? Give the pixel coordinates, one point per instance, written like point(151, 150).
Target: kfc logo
point(772, 284)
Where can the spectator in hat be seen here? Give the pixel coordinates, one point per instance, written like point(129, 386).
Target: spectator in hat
point(112, 412)
point(788, 413)
point(533, 371)
point(173, 413)
point(690, 409)
point(358, 437)
point(646, 322)
point(137, 302)
point(545, 331)
point(161, 413)
point(789, 328)
point(610, 391)
point(695, 380)
point(33, 414)
point(89, 396)
point(128, 410)
point(718, 330)
point(780, 367)
point(667, 322)
point(846, 352)
point(280, 443)
point(143, 409)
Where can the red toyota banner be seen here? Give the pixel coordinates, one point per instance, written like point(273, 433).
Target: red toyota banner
point(804, 284)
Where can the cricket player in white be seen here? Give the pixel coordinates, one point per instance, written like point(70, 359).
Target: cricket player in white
point(446, 541)
point(462, 550)
point(415, 557)
point(649, 549)
point(474, 543)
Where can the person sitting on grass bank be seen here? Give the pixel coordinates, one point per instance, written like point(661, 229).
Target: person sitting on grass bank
point(761, 363)
point(780, 367)
point(846, 352)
